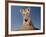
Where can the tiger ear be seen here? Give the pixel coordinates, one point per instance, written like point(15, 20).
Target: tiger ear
point(30, 10)
point(21, 11)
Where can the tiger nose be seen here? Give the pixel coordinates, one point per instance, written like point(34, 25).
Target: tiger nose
point(26, 20)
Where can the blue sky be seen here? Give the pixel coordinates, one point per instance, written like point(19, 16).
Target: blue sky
point(17, 18)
